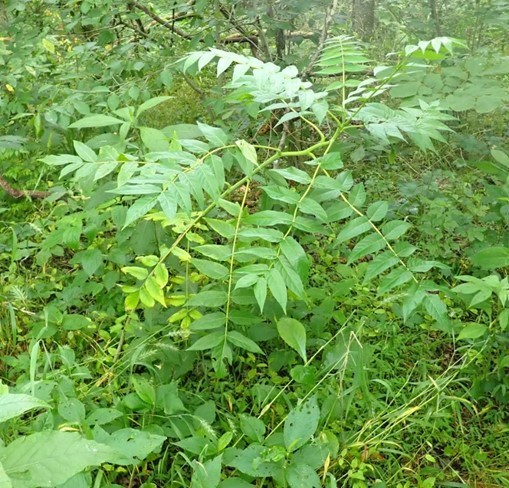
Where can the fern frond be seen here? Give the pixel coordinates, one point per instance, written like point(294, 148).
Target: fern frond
point(341, 56)
point(18, 294)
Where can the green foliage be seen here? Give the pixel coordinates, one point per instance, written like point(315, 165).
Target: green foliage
point(481, 24)
point(186, 180)
point(474, 83)
point(295, 277)
point(51, 458)
point(14, 405)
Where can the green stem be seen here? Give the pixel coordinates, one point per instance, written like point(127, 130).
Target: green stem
point(232, 265)
point(231, 189)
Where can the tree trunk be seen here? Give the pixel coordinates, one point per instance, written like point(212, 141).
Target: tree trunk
point(432, 4)
point(363, 18)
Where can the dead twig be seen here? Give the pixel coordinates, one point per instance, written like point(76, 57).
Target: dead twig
point(22, 193)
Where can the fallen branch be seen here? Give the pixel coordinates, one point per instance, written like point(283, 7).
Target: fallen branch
point(239, 38)
point(22, 193)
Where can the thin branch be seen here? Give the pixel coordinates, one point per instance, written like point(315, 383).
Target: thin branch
point(284, 135)
point(254, 39)
point(263, 39)
point(165, 23)
point(194, 86)
point(139, 23)
point(21, 193)
point(323, 37)
point(143, 33)
point(228, 15)
point(183, 16)
point(282, 141)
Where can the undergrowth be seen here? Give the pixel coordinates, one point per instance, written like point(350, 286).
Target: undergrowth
point(276, 282)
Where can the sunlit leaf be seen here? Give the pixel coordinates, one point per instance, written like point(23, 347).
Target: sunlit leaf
point(95, 121)
point(301, 424)
point(294, 334)
point(16, 404)
point(492, 258)
point(49, 458)
point(239, 340)
point(277, 287)
point(472, 331)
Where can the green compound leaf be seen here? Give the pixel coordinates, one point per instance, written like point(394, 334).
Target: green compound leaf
point(239, 340)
